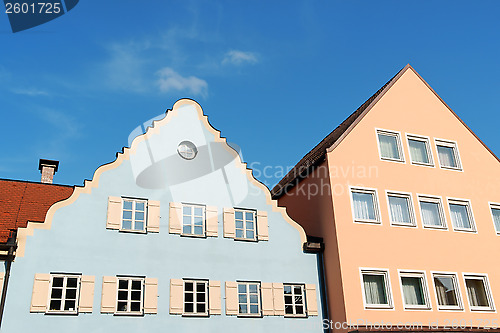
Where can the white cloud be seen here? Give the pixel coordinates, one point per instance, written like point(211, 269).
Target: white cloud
point(30, 92)
point(171, 80)
point(236, 57)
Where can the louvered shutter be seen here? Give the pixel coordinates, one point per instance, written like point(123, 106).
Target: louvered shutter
point(211, 223)
point(229, 227)
point(262, 227)
point(86, 301)
point(114, 217)
point(150, 296)
point(175, 218)
point(153, 221)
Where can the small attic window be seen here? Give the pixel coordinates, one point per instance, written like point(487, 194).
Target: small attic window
point(187, 150)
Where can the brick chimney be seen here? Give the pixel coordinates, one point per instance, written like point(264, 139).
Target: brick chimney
point(48, 168)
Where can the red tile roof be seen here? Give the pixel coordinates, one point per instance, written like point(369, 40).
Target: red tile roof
point(22, 201)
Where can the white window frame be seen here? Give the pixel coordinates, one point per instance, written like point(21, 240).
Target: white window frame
point(134, 201)
point(376, 207)
point(439, 201)
point(259, 295)
point(427, 142)
point(397, 135)
point(423, 278)
point(303, 294)
point(244, 211)
point(411, 212)
point(63, 295)
point(456, 154)
point(468, 207)
point(204, 234)
point(387, 280)
point(494, 205)
point(129, 292)
point(458, 293)
point(195, 301)
point(487, 290)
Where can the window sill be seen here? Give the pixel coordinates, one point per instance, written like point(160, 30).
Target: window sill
point(465, 230)
point(246, 240)
point(400, 224)
point(368, 221)
point(379, 307)
point(417, 308)
point(387, 159)
point(202, 315)
point(450, 308)
point(435, 227)
point(194, 236)
point(133, 231)
point(450, 168)
point(64, 313)
point(133, 314)
point(431, 165)
point(295, 316)
point(247, 315)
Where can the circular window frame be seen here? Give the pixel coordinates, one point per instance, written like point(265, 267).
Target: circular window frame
point(184, 153)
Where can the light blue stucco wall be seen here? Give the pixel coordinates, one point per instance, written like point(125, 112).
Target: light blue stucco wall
point(78, 241)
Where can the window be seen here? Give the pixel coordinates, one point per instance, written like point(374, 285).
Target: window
point(461, 215)
point(420, 152)
point(495, 213)
point(431, 210)
point(414, 289)
point(130, 295)
point(64, 290)
point(245, 224)
point(376, 289)
point(294, 300)
point(134, 215)
point(193, 220)
point(249, 298)
point(448, 154)
point(478, 292)
point(364, 204)
point(390, 146)
point(447, 291)
point(400, 209)
point(195, 297)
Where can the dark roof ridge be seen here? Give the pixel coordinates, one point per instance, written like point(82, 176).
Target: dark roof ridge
point(318, 153)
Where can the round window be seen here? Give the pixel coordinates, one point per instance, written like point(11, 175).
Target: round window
point(187, 150)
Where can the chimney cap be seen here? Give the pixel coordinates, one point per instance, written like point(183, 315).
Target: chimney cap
point(48, 163)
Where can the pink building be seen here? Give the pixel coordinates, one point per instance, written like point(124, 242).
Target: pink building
point(406, 199)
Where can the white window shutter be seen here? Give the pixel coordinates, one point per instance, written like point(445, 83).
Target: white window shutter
point(214, 293)
point(262, 228)
point(229, 227)
point(231, 298)
point(311, 300)
point(267, 299)
point(114, 213)
point(279, 299)
point(212, 223)
point(153, 221)
point(176, 296)
point(109, 292)
point(86, 301)
point(175, 218)
point(39, 298)
point(151, 296)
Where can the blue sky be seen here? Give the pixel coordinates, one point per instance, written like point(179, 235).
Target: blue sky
point(274, 77)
